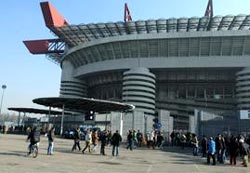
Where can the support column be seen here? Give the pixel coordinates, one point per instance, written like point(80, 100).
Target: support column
point(61, 129)
point(121, 124)
point(19, 118)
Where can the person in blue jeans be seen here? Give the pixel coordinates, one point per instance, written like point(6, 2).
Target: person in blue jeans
point(130, 140)
point(33, 137)
point(195, 144)
point(115, 141)
point(51, 138)
point(211, 151)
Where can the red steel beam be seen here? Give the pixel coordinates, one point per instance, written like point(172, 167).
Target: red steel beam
point(51, 16)
point(44, 46)
point(127, 16)
point(209, 10)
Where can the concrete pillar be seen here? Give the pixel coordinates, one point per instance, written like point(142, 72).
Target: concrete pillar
point(167, 122)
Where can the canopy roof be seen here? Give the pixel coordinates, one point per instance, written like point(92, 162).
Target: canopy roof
point(37, 111)
point(84, 104)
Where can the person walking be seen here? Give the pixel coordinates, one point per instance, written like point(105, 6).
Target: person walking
point(204, 146)
point(139, 137)
point(130, 140)
point(183, 141)
point(77, 138)
point(135, 142)
point(233, 150)
point(95, 140)
point(151, 139)
point(116, 140)
point(245, 152)
point(34, 138)
point(195, 144)
point(51, 138)
point(211, 151)
point(88, 141)
point(172, 136)
point(159, 139)
point(103, 142)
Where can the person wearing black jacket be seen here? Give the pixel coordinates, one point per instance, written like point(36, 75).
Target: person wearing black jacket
point(115, 141)
point(33, 137)
point(233, 150)
point(104, 138)
point(204, 146)
point(77, 138)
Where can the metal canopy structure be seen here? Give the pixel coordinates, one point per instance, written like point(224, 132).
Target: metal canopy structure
point(83, 104)
point(36, 111)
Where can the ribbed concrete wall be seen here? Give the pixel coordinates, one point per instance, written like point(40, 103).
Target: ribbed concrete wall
point(70, 86)
point(243, 89)
point(138, 88)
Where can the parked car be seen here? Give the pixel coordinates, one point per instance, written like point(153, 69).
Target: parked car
point(69, 133)
point(82, 133)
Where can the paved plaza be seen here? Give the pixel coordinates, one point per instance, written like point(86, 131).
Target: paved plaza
point(13, 149)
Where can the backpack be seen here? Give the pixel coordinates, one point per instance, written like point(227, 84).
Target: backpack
point(36, 136)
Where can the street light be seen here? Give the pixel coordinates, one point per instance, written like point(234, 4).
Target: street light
point(3, 87)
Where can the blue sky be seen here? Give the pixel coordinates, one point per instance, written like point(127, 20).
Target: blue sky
point(32, 76)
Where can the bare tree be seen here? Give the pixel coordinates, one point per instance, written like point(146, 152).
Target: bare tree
point(6, 117)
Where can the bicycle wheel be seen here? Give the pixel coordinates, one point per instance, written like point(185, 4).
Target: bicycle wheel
point(35, 152)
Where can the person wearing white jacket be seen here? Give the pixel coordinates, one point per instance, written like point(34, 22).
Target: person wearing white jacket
point(88, 141)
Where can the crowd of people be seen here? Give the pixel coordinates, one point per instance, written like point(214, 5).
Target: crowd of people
point(219, 148)
point(92, 139)
point(134, 139)
point(105, 138)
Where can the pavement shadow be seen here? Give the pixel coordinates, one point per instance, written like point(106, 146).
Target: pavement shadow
point(14, 153)
point(109, 163)
point(69, 151)
point(185, 156)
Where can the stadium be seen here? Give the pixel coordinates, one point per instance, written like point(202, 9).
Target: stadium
point(185, 66)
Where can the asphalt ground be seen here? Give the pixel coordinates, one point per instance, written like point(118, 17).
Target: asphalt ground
point(13, 159)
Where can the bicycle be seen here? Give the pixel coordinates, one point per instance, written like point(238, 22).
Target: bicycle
point(33, 150)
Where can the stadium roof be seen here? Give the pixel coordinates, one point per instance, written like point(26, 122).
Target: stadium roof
point(84, 104)
point(74, 35)
point(36, 111)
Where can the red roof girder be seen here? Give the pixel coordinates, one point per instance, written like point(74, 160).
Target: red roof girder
point(44, 46)
point(127, 16)
point(51, 16)
point(209, 10)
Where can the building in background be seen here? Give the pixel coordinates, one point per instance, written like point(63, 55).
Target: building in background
point(176, 67)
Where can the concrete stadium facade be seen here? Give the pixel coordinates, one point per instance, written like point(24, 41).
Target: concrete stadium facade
point(178, 65)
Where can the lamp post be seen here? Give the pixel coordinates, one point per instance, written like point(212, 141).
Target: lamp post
point(3, 87)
